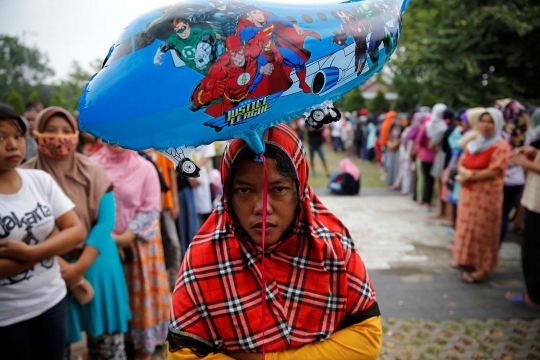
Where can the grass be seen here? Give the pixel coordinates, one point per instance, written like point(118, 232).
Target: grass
point(369, 171)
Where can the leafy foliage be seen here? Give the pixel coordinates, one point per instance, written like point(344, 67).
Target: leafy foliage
point(34, 96)
point(353, 100)
point(16, 100)
point(21, 67)
point(379, 104)
point(469, 52)
point(58, 100)
point(71, 88)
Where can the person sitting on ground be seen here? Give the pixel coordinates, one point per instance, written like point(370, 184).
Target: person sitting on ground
point(347, 180)
point(320, 303)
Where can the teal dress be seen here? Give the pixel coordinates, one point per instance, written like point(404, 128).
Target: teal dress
point(108, 312)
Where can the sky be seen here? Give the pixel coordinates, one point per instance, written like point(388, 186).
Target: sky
point(68, 30)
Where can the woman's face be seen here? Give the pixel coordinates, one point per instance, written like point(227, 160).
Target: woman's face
point(404, 122)
point(12, 145)
point(58, 125)
point(486, 126)
point(247, 200)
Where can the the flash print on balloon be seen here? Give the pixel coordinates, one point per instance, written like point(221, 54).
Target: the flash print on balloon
point(200, 71)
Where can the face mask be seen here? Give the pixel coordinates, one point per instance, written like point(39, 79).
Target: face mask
point(57, 146)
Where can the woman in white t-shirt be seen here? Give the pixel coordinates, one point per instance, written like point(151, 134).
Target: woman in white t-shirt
point(33, 303)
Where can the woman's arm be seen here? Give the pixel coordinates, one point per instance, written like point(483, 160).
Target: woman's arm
point(72, 273)
point(360, 341)
point(529, 151)
point(175, 211)
point(521, 160)
point(485, 174)
point(463, 173)
point(71, 233)
point(187, 354)
point(97, 239)
point(143, 226)
point(124, 239)
point(10, 267)
point(410, 146)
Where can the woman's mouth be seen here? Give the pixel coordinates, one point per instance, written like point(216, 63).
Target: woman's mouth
point(14, 158)
point(258, 227)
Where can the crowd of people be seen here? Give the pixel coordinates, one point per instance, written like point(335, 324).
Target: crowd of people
point(97, 239)
point(116, 223)
point(105, 241)
point(478, 168)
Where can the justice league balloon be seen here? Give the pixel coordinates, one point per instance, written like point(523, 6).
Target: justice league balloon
point(206, 70)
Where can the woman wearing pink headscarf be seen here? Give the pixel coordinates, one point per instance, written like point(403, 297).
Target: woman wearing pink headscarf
point(138, 205)
point(347, 181)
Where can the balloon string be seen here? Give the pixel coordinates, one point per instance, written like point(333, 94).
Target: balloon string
point(264, 204)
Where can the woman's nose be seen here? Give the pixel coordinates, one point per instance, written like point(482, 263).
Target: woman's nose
point(258, 208)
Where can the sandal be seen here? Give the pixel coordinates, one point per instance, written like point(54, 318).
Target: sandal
point(461, 276)
point(518, 298)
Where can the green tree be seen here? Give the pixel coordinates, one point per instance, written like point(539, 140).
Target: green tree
point(34, 96)
point(353, 100)
point(16, 100)
point(379, 103)
point(470, 52)
point(428, 99)
point(72, 87)
point(21, 67)
point(58, 100)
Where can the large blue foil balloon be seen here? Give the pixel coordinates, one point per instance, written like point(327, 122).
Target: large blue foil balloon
point(200, 71)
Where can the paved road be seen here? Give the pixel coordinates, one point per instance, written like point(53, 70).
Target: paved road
point(429, 313)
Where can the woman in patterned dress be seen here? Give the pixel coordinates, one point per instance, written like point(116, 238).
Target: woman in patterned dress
point(136, 232)
point(481, 171)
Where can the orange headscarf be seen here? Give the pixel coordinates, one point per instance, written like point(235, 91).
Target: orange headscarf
point(386, 126)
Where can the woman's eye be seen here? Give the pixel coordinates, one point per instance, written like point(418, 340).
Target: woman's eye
point(280, 189)
point(242, 190)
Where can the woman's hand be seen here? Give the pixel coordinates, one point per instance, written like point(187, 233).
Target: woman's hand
point(519, 158)
point(71, 274)
point(524, 150)
point(194, 182)
point(464, 176)
point(122, 254)
point(124, 239)
point(175, 211)
point(17, 250)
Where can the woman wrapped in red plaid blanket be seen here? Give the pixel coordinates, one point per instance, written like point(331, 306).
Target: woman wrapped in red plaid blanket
point(320, 303)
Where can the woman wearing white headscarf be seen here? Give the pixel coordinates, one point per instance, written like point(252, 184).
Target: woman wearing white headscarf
point(481, 173)
point(435, 129)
